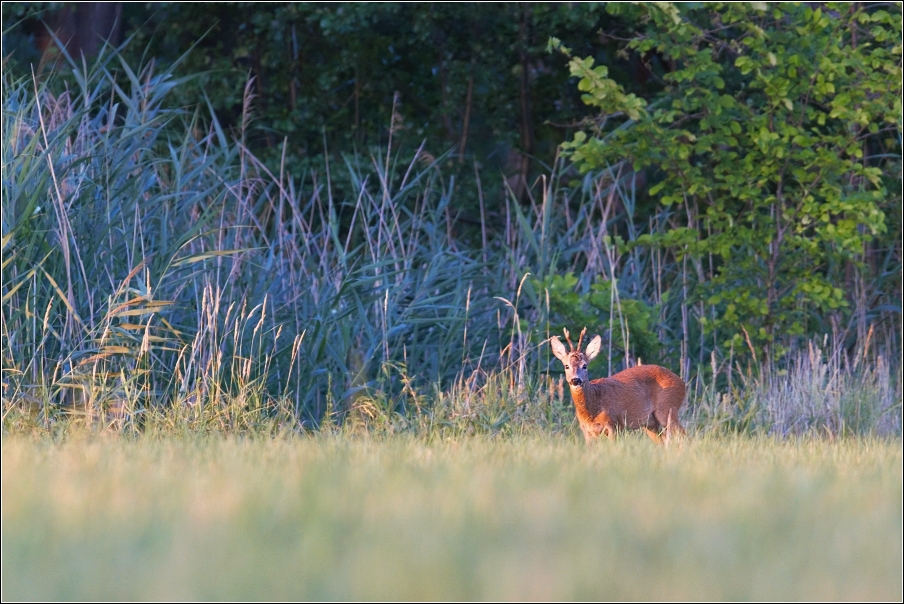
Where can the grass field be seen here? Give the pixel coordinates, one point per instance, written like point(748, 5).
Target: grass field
point(543, 517)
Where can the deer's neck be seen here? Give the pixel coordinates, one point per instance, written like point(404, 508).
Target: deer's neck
point(580, 397)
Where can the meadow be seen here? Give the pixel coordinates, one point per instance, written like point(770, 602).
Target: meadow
point(222, 380)
point(531, 517)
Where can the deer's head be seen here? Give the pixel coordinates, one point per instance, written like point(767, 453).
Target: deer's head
point(574, 360)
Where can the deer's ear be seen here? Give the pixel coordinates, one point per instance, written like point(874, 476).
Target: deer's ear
point(593, 348)
point(558, 348)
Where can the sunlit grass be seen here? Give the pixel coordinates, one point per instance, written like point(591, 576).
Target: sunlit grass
point(544, 517)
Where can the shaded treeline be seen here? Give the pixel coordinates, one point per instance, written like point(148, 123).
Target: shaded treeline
point(473, 78)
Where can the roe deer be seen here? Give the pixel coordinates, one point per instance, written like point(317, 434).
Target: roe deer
point(647, 396)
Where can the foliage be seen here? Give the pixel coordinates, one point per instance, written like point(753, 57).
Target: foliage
point(774, 139)
point(628, 322)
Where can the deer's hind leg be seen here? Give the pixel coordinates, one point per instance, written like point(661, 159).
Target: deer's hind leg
point(653, 434)
point(653, 429)
point(670, 420)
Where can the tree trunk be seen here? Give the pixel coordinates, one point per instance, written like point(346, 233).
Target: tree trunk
point(526, 134)
point(84, 27)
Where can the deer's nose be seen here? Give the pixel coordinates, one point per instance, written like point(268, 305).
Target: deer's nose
point(576, 381)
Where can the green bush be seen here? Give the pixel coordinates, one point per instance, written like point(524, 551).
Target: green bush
point(777, 141)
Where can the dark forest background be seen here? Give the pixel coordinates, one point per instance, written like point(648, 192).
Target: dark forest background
point(476, 79)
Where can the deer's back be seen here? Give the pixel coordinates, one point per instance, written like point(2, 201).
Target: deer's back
point(650, 377)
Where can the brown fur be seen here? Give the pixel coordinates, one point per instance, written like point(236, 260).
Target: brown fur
point(646, 396)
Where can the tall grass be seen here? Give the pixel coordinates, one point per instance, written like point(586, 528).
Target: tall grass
point(155, 273)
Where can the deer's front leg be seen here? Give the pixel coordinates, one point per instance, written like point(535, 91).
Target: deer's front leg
point(592, 431)
point(608, 430)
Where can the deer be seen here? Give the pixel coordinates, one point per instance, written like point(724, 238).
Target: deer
point(645, 396)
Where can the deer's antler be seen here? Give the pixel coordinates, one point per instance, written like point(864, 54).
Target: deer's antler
point(581, 339)
point(567, 338)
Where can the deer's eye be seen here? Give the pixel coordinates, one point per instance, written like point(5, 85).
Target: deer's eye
point(585, 366)
point(566, 366)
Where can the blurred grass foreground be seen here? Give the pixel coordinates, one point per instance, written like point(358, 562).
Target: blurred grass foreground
point(526, 518)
